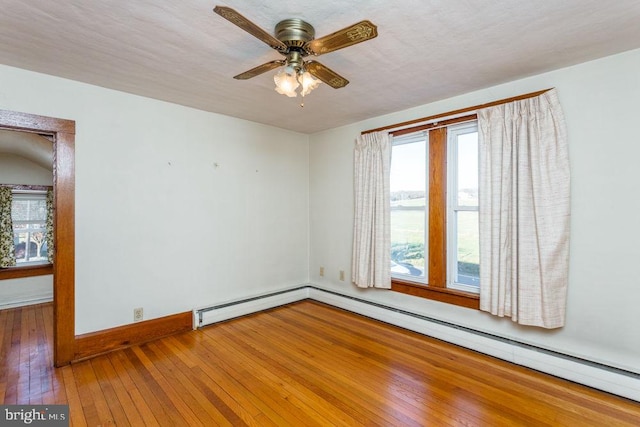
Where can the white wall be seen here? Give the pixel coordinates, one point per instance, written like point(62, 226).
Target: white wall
point(29, 290)
point(600, 104)
point(158, 224)
point(18, 170)
point(25, 291)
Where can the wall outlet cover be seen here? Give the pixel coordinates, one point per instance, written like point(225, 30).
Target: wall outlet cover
point(138, 314)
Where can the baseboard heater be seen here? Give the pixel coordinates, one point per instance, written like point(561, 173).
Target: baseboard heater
point(41, 299)
point(583, 371)
point(229, 310)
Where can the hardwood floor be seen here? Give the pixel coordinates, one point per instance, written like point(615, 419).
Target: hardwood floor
point(305, 364)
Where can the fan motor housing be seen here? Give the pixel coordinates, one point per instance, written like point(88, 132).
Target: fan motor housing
point(294, 33)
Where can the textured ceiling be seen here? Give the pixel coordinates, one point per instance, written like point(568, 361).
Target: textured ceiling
point(184, 53)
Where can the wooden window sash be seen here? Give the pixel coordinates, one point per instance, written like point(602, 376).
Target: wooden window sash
point(437, 221)
point(436, 287)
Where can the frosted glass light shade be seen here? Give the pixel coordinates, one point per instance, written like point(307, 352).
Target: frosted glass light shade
point(308, 83)
point(286, 83)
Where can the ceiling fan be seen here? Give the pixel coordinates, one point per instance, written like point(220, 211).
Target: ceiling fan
point(295, 40)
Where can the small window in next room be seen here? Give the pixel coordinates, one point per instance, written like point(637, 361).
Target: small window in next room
point(434, 213)
point(29, 217)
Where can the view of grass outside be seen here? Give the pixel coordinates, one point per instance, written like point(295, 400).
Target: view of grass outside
point(407, 236)
point(468, 244)
point(408, 214)
point(464, 143)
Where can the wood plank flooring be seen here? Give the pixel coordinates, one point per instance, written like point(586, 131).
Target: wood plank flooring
point(306, 364)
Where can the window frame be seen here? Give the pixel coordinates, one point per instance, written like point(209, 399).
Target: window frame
point(453, 131)
point(418, 137)
point(28, 270)
point(31, 195)
point(436, 287)
point(460, 298)
point(17, 272)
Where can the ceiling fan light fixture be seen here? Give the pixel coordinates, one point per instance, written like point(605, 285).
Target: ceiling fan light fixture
point(295, 39)
point(308, 83)
point(286, 82)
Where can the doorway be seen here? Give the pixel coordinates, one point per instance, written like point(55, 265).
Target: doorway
point(62, 134)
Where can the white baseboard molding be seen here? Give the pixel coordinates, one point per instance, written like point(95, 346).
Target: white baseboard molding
point(592, 374)
point(26, 301)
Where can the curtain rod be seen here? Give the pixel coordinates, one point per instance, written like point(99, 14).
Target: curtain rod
point(433, 125)
point(456, 112)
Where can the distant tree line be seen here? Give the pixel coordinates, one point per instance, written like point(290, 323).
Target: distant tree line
point(406, 195)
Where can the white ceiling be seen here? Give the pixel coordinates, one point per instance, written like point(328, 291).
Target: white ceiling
point(182, 52)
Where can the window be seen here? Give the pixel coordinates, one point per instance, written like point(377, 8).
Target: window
point(434, 213)
point(29, 216)
point(463, 227)
point(409, 231)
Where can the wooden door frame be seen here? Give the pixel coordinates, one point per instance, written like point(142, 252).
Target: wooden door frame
point(63, 135)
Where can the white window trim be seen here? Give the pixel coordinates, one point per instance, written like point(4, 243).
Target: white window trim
point(420, 136)
point(452, 205)
point(24, 194)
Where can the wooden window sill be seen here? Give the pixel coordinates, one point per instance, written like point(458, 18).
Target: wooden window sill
point(26, 271)
point(449, 296)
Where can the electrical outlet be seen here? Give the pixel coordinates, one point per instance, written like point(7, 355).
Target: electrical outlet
point(137, 314)
point(321, 271)
point(342, 275)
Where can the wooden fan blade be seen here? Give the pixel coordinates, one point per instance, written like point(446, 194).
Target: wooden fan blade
point(360, 32)
point(328, 76)
point(260, 69)
point(251, 28)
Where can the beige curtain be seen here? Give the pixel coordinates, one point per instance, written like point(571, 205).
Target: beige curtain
point(371, 261)
point(49, 232)
point(7, 250)
point(524, 211)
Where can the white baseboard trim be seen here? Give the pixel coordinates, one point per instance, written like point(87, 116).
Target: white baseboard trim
point(25, 302)
point(592, 374)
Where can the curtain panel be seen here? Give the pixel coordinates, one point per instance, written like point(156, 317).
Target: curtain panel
point(7, 250)
point(524, 211)
point(371, 260)
point(49, 228)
